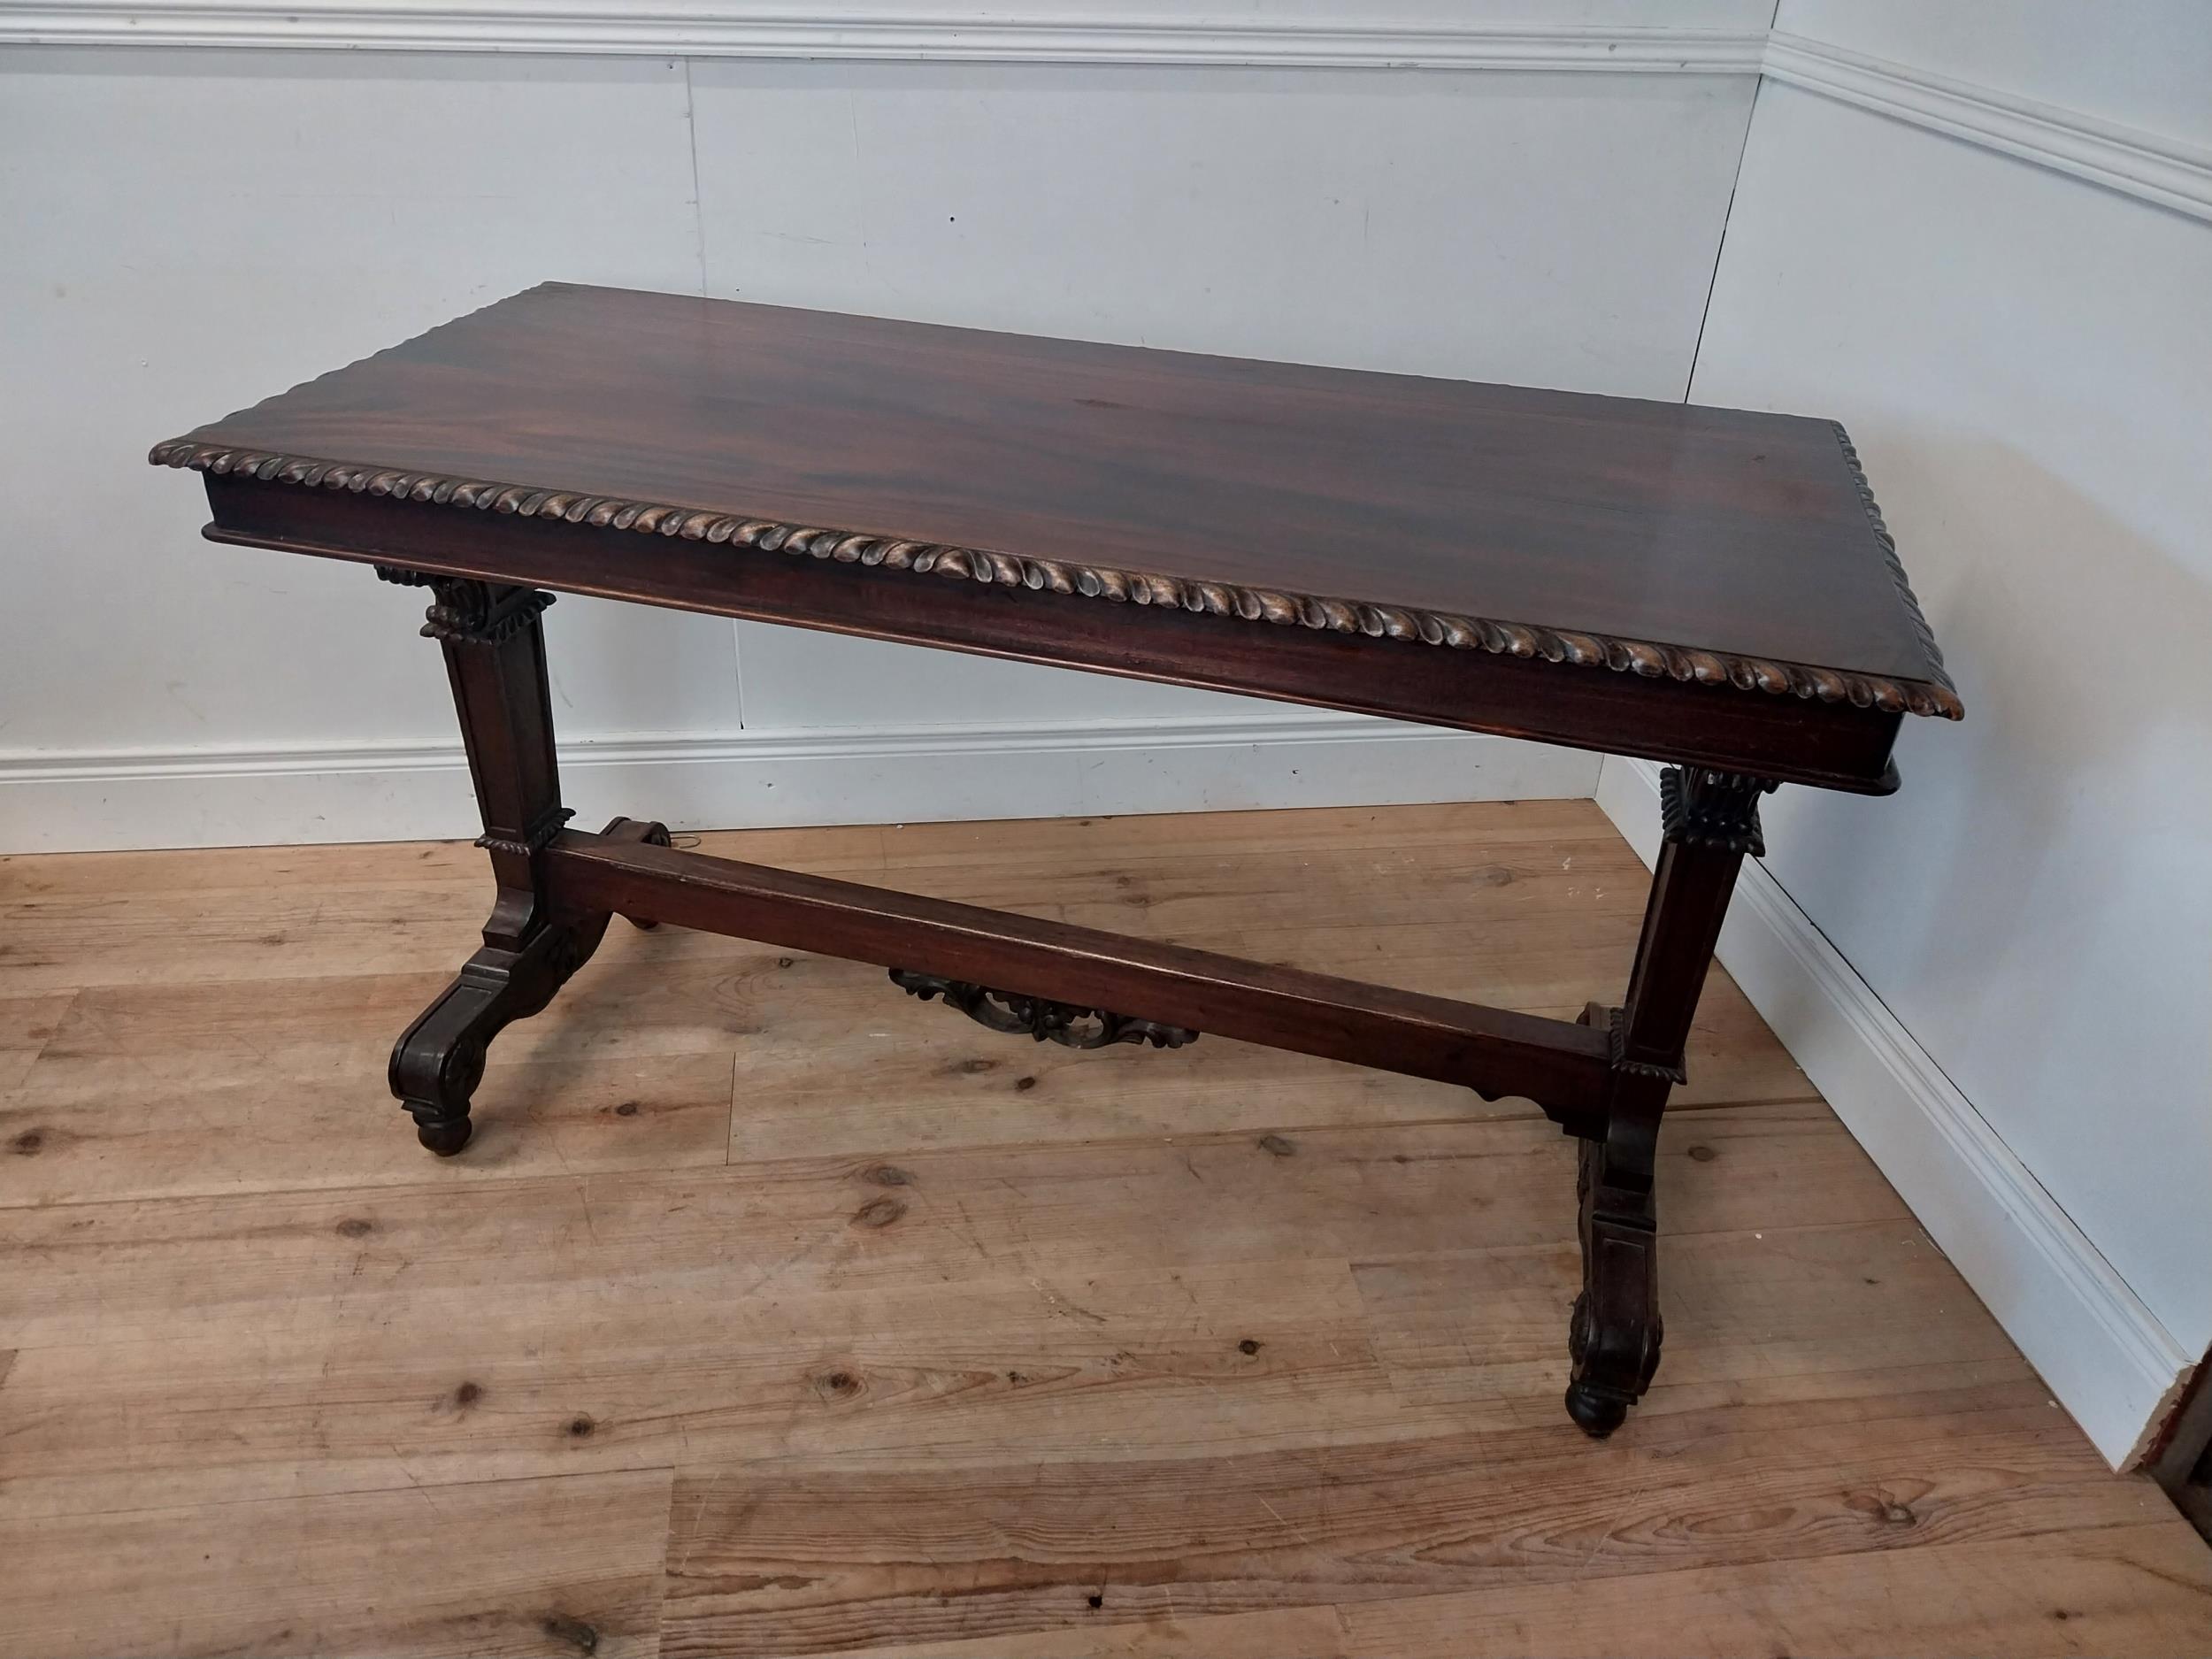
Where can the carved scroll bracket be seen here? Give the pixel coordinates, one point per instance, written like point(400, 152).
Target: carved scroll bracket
point(1067, 1023)
point(1720, 810)
point(467, 611)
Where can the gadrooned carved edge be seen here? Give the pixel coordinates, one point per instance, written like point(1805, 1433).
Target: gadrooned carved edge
point(1943, 693)
point(1617, 1037)
point(540, 835)
point(1653, 661)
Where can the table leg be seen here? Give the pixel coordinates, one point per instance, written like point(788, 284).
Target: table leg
point(494, 655)
point(1712, 820)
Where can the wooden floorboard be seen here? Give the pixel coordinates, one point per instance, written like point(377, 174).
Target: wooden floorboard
point(773, 1311)
point(548, 1566)
point(2125, 1589)
point(823, 1556)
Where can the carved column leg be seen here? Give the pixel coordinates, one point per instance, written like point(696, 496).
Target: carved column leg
point(1712, 820)
point(494, 653)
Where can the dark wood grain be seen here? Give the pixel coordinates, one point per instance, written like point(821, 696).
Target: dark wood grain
point(1711, 822)
point(1717, 545)
point(1495, 1051)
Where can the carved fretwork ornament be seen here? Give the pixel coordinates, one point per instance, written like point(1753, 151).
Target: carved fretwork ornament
point(468, 611)
point(1720, 810)
point(1067, 1023)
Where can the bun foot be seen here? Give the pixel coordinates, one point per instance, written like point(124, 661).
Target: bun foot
point(447, 1138)
point(1596, 1414)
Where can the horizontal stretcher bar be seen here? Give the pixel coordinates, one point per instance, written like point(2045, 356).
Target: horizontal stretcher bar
point(1561, 1066)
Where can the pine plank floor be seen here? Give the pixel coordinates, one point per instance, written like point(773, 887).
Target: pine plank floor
point(773, 1313)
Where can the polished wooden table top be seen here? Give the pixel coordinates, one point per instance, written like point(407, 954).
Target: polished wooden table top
point(1706, 546)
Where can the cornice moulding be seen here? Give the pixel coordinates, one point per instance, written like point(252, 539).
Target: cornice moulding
point(2149, 166)
point(946, 36)
point(2146, 165)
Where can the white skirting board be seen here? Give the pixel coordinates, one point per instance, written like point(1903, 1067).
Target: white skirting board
point(82, 803)
point(2104, 1355)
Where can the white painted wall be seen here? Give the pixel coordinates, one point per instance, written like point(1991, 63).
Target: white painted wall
point(1554, 229)
point(2024, 360)
point(189, 232)
point(190, 229)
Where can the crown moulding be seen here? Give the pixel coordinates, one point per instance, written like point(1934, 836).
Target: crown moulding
point(1342, 36)
point(1931, 696)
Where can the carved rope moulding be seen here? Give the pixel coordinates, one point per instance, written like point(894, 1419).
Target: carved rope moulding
point(1933, 697)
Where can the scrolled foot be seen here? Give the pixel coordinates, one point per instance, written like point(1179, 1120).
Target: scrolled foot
point(1595, 1412)
point(445, 1137)
point(1615, 1332)
point(438, 1061)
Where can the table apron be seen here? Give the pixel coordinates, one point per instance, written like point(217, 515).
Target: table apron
point(1563, 1067)
point(1761, 733)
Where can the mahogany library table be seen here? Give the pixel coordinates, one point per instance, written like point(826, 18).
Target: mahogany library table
point(1705, 586)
